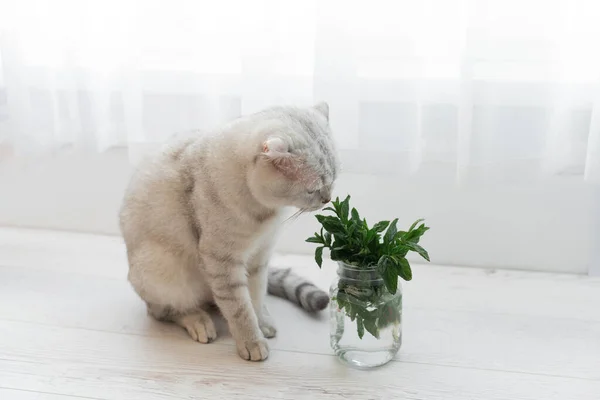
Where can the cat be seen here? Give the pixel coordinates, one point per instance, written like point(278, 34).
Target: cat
point(199, 221)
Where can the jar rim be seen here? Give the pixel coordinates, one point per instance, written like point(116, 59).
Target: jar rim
point(362, 276)
point(352, 267)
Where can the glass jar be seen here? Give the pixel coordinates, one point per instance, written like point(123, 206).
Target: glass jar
point(366, 329)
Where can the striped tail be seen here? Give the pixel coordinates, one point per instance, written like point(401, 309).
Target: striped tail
point(284, 283)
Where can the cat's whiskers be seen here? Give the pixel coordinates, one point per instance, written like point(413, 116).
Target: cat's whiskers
point(295, 215)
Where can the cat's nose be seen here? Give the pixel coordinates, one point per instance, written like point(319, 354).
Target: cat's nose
point(325, 200)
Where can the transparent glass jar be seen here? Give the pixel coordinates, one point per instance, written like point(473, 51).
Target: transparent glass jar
point(366, 328)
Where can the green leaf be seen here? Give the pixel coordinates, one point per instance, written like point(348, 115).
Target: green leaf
point(355, 216)
point(371, 326)
point(399, 235)
point(360, 328)
point(327, 239)
point(405, 270)
point(415, 234)
point(344, 209)
point(331, 224)
point(399, 250)
point(336, 205)
point(351, 230)
point(341, 299)
point(380, 226)
point(319, 256)
point(391, 279)
point(364, 250)
point(387, 270)
point(415, 224)
point(314, 239)
point(391, 231)
point(382, 264)
point(340, 255)
point(416, 248)
point(329, 209)
point(371, 235)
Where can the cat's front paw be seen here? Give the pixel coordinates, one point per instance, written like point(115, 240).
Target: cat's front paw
point(267, 328)
point(266, 324)
point(253, 350)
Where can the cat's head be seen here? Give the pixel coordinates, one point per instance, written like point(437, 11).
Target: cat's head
point(296, 164)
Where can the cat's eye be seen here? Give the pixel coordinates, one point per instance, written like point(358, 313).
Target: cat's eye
point(311, 191)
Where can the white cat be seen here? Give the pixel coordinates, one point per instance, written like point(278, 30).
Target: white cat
point(199, 221)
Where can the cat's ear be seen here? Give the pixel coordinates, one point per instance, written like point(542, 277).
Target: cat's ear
point(276, 150)
point(275, 147)
point(323, 109)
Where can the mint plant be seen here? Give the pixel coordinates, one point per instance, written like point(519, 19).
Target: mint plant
point(376, 256)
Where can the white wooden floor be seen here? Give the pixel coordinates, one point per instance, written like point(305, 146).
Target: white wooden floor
point(71, 327)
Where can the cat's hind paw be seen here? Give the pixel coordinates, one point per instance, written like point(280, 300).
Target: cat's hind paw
point(200, 327)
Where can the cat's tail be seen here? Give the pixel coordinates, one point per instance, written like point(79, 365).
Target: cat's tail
point(284, 283)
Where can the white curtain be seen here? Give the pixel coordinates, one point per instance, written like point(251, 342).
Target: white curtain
point(491, 90)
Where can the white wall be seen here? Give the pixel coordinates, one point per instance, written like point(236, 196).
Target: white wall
point(551, 228)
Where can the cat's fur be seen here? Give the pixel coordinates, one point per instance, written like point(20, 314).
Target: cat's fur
point(199, 221)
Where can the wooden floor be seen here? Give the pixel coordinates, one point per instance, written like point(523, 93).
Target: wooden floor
point(71, 327)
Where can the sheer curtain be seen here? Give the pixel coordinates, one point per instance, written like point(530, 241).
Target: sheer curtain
point(445, 89)
point(481, 115)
